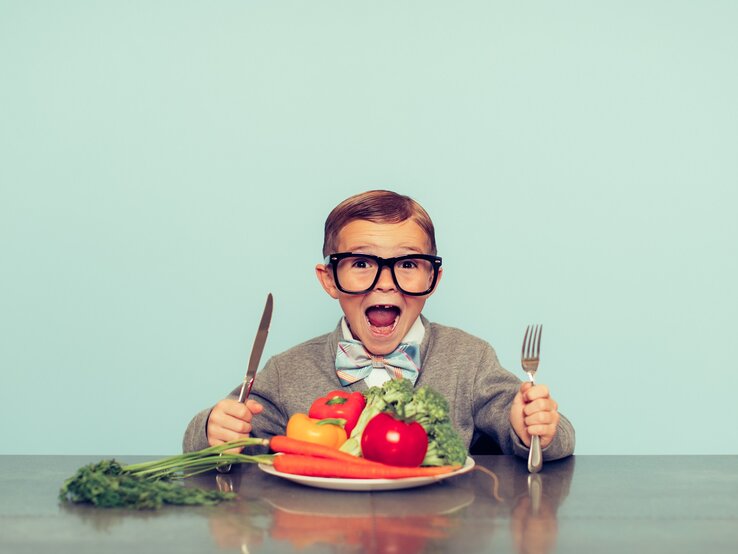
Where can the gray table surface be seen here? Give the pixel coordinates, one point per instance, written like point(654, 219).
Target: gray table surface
point(583, 504)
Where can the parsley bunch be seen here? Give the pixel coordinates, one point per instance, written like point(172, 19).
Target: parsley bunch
point(150, 485)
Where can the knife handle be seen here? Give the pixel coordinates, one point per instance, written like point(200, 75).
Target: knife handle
point(245, 390)
point(243, 395)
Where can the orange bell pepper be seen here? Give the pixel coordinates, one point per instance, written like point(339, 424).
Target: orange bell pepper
point(328, 432)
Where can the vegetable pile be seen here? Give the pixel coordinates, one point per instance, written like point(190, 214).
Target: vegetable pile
point(395, 424)
point(424, 406)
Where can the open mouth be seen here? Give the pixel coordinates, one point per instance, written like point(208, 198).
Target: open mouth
point(383, 319)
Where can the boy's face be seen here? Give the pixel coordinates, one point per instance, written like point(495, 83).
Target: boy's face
point(370, 316)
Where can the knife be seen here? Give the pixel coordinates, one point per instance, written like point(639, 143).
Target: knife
point(256, 351)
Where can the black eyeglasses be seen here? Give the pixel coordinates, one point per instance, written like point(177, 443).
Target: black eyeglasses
point(414, 274)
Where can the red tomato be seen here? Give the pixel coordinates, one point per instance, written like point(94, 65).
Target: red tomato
point(391, 441)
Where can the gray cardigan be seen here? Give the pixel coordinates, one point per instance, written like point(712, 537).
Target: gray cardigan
point(460, 366)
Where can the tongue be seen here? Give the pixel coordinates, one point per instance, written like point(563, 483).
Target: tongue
point(382, 317)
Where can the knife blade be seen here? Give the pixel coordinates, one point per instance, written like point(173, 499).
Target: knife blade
point(256, 350)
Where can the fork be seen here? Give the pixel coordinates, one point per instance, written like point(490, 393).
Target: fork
point(529, 359)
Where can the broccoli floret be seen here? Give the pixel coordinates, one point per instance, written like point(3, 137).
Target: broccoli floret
point(427, 407)
point(374, 397)
point(444, 446)
point(397, 393)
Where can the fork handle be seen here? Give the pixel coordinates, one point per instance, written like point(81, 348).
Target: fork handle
point(535, 459)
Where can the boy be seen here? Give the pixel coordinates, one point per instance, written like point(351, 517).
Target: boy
point(381, 266)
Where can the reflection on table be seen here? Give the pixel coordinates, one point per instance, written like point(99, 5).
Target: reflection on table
point(409, 521)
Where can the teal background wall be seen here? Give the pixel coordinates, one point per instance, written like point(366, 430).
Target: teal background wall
point(164, 165)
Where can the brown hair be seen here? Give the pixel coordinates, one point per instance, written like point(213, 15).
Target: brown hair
point(377, 206)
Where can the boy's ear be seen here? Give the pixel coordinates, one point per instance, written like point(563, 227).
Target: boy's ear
point(326, 280)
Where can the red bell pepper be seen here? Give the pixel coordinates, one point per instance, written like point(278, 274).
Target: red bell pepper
point(339, 404)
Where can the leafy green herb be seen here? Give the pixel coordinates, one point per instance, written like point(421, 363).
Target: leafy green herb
point(150, 485)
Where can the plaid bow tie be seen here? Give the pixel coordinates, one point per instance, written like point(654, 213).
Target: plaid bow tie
point(354, 363)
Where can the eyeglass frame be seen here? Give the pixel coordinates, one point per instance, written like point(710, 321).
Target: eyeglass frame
point(333, 259)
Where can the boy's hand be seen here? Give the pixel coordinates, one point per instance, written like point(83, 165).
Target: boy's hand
point(231, 420)
point(534, 412)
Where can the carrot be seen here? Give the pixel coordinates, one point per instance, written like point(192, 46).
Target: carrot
point(288, 445)
point(322, 467)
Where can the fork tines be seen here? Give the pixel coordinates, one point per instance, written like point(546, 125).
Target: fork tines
point(531, 342)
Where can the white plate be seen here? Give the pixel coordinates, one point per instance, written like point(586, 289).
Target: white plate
point(366, 484)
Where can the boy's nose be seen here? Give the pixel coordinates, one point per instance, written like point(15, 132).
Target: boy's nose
point(385, 281)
